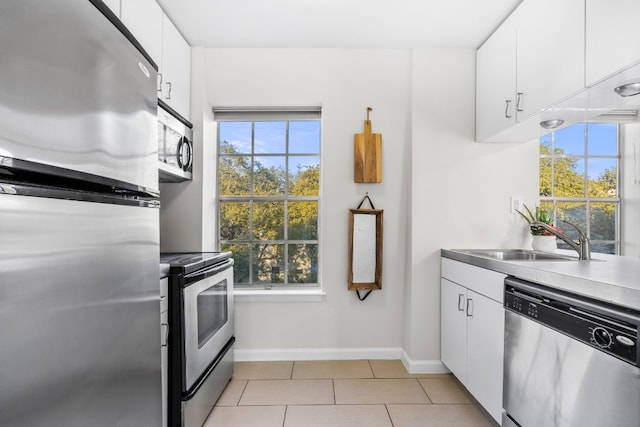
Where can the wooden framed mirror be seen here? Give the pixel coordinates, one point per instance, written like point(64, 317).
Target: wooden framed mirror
point(365, 249)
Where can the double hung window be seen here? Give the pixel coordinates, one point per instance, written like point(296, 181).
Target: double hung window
point(269, 195)
point(579, 182)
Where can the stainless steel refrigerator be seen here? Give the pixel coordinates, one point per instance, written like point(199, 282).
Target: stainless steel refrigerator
point(79, 239)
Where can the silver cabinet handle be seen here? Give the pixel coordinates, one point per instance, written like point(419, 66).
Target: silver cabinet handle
point(506, 108)
point(460, 302)
point(159, 82)
point(169, 91)
point(469, 307)
point(164, 334)
point(518, 99)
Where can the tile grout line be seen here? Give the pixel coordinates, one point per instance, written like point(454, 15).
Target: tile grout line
point(386, 407)
point(425, 391)
point(371, 367)
point(284, 419)
point(242, 394)
point(333, 383)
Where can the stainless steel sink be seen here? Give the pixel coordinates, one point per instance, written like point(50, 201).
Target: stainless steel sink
point(517, 255)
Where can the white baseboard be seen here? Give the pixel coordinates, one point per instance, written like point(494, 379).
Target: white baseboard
point(385, 353)
point(256, 355)
point(423, 366)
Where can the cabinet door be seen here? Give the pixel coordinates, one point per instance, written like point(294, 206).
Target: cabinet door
point(496, 81)
point(612, 37)
point(453, 328)
point(550, 53)
point(144, 19)
point(176, 69)
point(485, 352)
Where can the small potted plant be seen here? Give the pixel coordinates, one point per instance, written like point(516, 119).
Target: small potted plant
point(543, 240)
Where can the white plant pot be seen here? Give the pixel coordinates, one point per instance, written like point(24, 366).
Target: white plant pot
point(544, 243)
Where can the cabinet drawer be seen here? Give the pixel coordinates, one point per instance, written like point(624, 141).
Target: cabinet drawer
point(485, 282)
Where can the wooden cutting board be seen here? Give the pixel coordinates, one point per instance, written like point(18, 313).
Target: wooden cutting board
point(367, 155)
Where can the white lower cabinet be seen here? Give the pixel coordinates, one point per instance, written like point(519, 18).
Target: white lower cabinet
point(472, 330)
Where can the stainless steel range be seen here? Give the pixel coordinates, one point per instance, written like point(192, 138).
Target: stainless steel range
point(201, 333)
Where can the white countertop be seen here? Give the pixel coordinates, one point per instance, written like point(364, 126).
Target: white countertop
point(614, 279)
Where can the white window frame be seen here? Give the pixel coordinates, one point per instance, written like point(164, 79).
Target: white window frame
point(276, 291)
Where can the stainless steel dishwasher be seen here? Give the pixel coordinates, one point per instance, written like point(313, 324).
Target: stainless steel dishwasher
point(569, 361)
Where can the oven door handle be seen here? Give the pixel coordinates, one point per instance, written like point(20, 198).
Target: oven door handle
point(212, 271)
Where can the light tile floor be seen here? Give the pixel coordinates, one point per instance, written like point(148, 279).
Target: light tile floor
point(343, 393)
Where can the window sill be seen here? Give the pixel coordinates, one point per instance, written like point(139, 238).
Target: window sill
point(278, 295)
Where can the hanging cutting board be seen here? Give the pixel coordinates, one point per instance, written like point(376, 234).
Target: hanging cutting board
point(367, 155)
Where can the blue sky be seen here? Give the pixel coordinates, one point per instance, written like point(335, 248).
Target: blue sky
point(601, 142)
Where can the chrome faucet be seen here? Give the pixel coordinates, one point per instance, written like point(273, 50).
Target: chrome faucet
point(582, 246)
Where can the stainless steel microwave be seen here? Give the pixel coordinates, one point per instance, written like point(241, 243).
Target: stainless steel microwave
point(175, 146)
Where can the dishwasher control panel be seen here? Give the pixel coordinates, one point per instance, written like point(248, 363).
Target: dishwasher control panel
point(598, 327)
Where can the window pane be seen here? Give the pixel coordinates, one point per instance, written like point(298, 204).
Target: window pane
point(234, 220)
point(269, 177)
point(603, 177)
point(603, 221)
point(235, 137)
point(303, 220)
point(303, 263)
point(241, 261)
point(570, 140)
point(602, 139)
point(604, 248)
point(568, 176)
point(268, 263)
point(234, 176)
point(574, 212)
point(545, 177)
point(304, 137)
point(545, 144)
point(268, 220)
point(270, 137)
point(304, 175)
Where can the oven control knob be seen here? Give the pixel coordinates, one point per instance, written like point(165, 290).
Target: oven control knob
point(601, 337)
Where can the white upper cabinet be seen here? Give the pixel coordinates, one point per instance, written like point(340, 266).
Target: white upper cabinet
point(550, 53)
point(612, 37)
point(144, 19)
point(176, 69)
point(532, 61)
point(496, 81)
point(166, 46)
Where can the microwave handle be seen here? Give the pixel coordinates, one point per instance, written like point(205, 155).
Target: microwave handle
point(181, 144)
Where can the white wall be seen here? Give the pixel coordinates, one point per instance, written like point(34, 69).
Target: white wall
point(460, 189)
point(439, 189)
point(344, 83)
point(630, 183)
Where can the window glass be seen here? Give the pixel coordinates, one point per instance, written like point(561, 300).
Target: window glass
point(304, 137)
point(269, 177)
point(270, 137)
point(304, 175)
point(603, 139)
point(570, 140)
point(303, 263)
point(236, 136)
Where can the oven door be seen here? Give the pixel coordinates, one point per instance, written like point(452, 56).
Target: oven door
point(208, 319)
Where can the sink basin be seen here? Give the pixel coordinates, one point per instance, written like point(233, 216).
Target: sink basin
point(517, 255)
